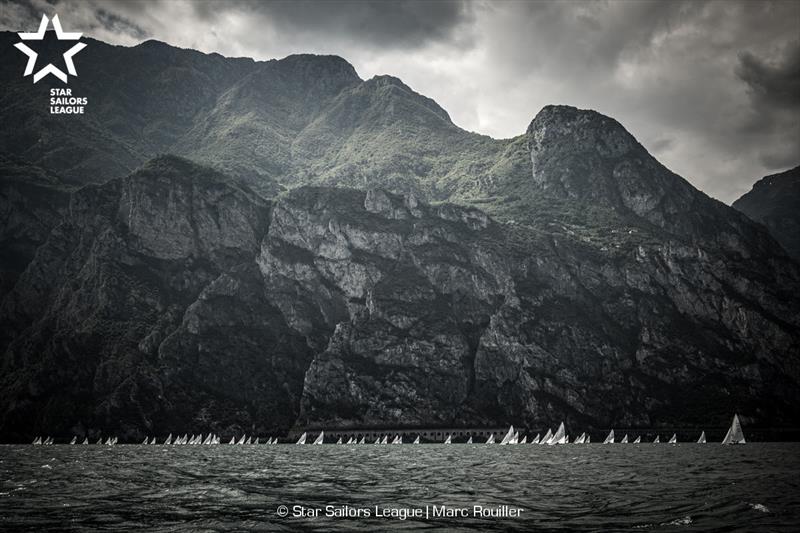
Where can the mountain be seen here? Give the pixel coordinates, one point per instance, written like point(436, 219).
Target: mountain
point(333, 251)
point(775, 202)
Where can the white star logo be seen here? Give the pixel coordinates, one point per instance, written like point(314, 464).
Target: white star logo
point(50, 68)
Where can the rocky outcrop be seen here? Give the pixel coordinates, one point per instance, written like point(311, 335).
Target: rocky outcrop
point(140, 314)
point(775, 202)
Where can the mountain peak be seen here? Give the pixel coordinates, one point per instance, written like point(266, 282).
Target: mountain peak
point(775, 202)
point(583, 155)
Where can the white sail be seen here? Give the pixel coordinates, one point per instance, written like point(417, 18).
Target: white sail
point(447, 440)
point(657, 440)
point(185, 438)
point(588, 439)
point(416, 441)
point(99, 441)
point(469, 440)
point(581, 439)
point(560, 436)
point(515, 438)
point(385, 439)
point(350, 441)
point(674, 439)
point(377, 441)
point(320, 438)
point(508, 436)
point(249, 440)
point(74, 440)
point(339, 441)
point(609, 438)
point(490, 440)
point(256, 441)
point(242, 439)
point(85, 440)
point(145, 441)
point(37, 441)
point(363, 440)
point(169, 439)
point(535, 439)
point(638, 440)
point(547, 437)
point(302, 439)
point(108, 441)
point(735, 435)
point(702, 439)
point(624, 439)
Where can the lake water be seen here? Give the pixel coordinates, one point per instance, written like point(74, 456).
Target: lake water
point(621, 487)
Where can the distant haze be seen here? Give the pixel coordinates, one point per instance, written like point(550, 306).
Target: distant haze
point(712, 89)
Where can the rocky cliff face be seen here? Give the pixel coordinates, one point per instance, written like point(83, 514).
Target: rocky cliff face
point(143, 313)
point(173, 300)
point(775, 202)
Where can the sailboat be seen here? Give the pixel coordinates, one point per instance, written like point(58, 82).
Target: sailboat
point(385, 439)
point(99, 441)
point(610, 438)
point(37, 441)
point(547, 437)
point(735, 435)
point(74, 440)
point(560, 437)
point(242, 439)
point(169, 440)
point(249, 440)
point(145, 441)
point(85, 440)
point(588, 439)
point(674, 439)
point(256, 441)
point(624, 439)
point(515, 438)
point(302, 439)
point(657, 440)
point(490, 440)
point(350, 441)
point(580, 439)
point(469, 440)
point(339, 441)
point(416, 441)
point(397, 440)
point(702, 439)
point(535, 439)
point(363, 440)
point(377, 441)
point(108, 441)
point(508, 436)
point(638, 440)
point(447, 440)
point(320, 438)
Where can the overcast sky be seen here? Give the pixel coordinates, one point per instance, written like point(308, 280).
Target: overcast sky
point(712, 89)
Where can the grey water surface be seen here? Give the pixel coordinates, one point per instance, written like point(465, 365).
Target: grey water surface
point(620, 487)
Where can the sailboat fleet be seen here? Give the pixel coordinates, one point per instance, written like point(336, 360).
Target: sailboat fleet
point(735, 435)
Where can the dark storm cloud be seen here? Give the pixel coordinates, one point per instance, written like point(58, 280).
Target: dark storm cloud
point(710, 87)
point(773, 85)
point(378, 23)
